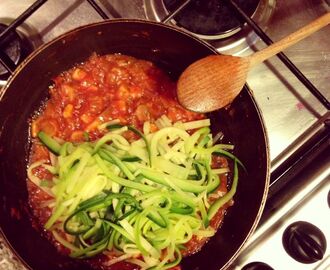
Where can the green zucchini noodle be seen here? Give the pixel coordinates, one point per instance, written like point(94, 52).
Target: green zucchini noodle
point(142, 200)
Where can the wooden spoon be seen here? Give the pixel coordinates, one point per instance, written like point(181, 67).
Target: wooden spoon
point(213, 82)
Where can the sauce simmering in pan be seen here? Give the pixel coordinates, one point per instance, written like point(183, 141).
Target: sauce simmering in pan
point(106, 89)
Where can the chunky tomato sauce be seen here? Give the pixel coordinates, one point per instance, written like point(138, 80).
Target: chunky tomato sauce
point(107, 88)
point(103, 89)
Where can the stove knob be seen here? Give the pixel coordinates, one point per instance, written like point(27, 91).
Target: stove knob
point(304, 242)
point(257, 266)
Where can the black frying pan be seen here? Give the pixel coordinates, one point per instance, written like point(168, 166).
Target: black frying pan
point(172, 50)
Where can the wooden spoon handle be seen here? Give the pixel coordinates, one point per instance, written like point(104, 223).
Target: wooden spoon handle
point(290, 40)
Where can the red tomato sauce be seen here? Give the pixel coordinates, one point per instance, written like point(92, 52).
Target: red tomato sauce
point(102, 89)
point(108, 88)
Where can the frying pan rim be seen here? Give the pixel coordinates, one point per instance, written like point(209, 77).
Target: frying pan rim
point(191, 36)
point(267, 182)
point(77, 29)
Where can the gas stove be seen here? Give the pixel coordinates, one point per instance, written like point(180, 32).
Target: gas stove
point(297, 120)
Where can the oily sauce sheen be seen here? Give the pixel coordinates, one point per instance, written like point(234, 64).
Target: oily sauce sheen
point(102, 89)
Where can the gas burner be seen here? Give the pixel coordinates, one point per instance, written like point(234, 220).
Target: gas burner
point(228, 36)
point(17, 45)
point(211, 19)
